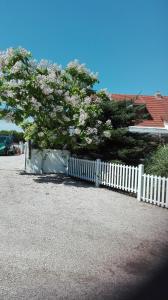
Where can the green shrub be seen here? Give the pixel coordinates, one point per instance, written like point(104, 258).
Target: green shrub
point(158, 163)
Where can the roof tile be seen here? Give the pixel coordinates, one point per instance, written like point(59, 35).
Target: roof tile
point(156, 106)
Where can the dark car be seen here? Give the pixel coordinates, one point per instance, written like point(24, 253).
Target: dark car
point(6, 145)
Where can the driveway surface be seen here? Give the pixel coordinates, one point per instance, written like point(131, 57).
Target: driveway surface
point(65, 239)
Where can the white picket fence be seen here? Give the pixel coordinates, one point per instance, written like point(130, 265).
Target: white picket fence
point(149, 188)
point(155, 190)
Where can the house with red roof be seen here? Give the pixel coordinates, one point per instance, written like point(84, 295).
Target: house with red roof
point(157, 108)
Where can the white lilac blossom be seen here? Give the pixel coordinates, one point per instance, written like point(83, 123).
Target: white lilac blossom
point(59, 92)
point(87, 100)
point(99, 122)
point(50, 97)
point(73, 100)
point(58, 108)
point(22, 51)
point(36, 104)
point(88, 140)
point(77, 131)
point(40, 134)
point(75, 117)
point(66, 119)
point(91, 130)
point(47, 90)
point(81, 68)
point(43, 64)
point(10, 94)
point(105, 92)
point(52, 76)
point(15, 83)
point(107, 133)
point(82, 117)
point(108, 122)
point(17, 67)
point(7, 56)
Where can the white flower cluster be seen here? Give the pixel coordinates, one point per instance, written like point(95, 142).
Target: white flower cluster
point(77, 131)
point(107, 133)
point(88, 140)
point(58, 108)
point(36, 104)
point(105, 92)
point(108, 122)
point(87, 100)
point(6, 56)
point(82, 117)
point(15, 83)
point(99, 122)
point(91, 130)
point(18, 66)
point(41, 134)
point(46, 65)
point(42, 82)
point(81, 68)
point(73, 100)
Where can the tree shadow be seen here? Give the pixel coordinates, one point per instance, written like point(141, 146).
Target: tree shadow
point(155, 288)
point(59, 179)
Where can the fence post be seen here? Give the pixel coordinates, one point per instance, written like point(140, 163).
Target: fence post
point(166, 205)
point(25, 155)
point(98, 163)
point(140, 181)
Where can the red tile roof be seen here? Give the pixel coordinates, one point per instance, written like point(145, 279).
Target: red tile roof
point(157, 106)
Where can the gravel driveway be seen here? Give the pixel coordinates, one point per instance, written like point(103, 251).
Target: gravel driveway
point(66, 239)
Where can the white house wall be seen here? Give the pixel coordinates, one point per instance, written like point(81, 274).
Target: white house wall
point(150, 130)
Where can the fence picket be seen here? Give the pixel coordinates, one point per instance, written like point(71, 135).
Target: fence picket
point(105, 173)
point(150, 188)
point(105, 181)
point(126, 178)
point(132, 179)
point(136, 180)
point(155, 190)
point(123, 178)
point(108, 174)
point(144, 188)
point(147, 188)
point(117, 174)
point(90, 172)
point(163, 192)
point(112, 176)
point(89, 166)
point(159, 187)
point(166, 196)
point(120, 177)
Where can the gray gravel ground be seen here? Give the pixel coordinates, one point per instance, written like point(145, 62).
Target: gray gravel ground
point(66, 239)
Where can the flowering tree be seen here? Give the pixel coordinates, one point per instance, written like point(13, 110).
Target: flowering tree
point(56, 107)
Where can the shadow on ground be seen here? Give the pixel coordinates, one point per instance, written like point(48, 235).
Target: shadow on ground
point(155, 288)
point(59, 179)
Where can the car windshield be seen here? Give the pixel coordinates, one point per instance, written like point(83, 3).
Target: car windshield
point(3, 139)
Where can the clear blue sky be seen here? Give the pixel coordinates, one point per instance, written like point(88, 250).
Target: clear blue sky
point(125, 41)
